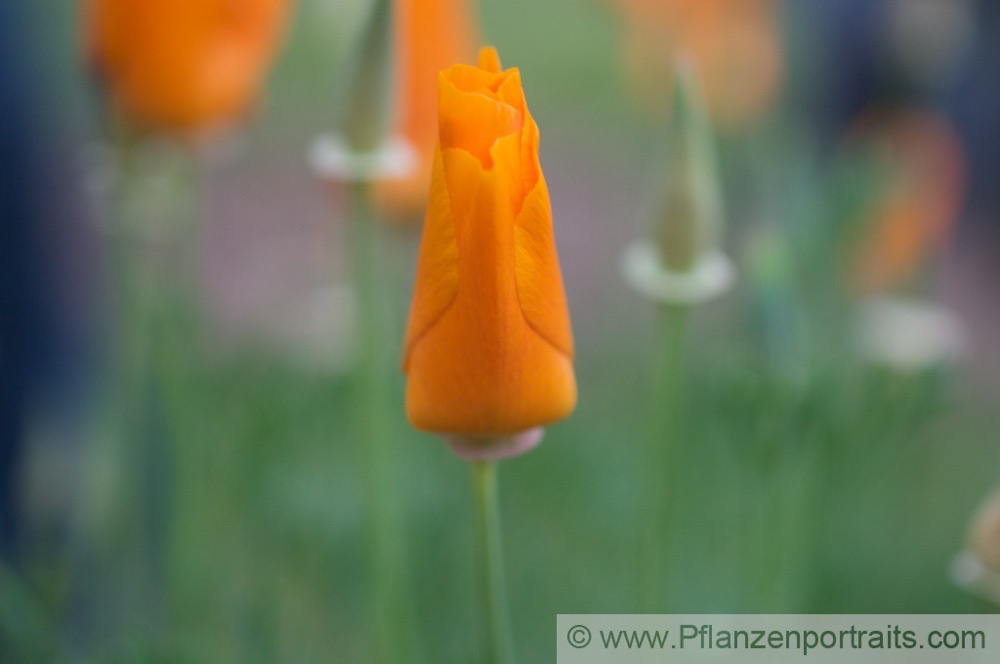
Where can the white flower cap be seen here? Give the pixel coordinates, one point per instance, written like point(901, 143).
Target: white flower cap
point(971, 575)
point(332, 159)
point(712, 275)
point(908, 334)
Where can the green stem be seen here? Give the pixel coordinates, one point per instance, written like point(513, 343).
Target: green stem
point(394, 616)
point(156, 240)
point(132, 369)
point(492, 586)
point(143, 410)
point(662, 451)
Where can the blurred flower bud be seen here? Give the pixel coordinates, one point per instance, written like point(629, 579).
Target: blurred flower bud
point(182, 65)
point(430, 35)
point(735, 43)
point(681, 261)
point(366, 115)
point(363, 151)
point(919, 172)
point(984, 534)
point(977, 569)
point(689, 220)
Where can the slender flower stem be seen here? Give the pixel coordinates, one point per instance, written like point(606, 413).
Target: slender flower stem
point(130, 439)
point(492, 586)
point(394, 617)
point(145, 390)
point(661, 455)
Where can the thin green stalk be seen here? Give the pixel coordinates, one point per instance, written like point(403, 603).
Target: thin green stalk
point(173, 345)
point(138, 450)
point(661, 455)
point(394, 618)
point(497, 647)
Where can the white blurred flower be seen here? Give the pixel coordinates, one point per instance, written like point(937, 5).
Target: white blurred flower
point(908, 334)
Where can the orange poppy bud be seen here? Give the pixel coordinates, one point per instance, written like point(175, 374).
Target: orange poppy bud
point(431, 35)
point(180, 65)
point(919, 158)
point(489, 349)
point(735, 44)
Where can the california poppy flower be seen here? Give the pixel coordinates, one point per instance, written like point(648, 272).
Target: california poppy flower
point(431, 35)
point(488, 349)
point(734, 43)
point(180, 65)
point(919, 165)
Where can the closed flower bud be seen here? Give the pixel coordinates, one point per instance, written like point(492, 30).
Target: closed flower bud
point(430, 35)
point(690, 217)
point(908, 222)
point(367, 110)
point(735, 43)
point(977, 569)
point(681, 262)
point(984, 535)
point(183, 65)
point(488, 349)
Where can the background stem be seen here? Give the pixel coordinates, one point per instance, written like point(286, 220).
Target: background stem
point(394, 635)
point(662, 451)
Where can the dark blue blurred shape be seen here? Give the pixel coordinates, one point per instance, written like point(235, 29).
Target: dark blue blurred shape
point(38, 202)
point(862, 72)
point(975, 107)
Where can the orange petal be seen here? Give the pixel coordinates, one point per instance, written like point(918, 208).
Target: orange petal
point(480, 369)
point(437, 265)
point(471, 119)
point(489, 59)
point(539, 279)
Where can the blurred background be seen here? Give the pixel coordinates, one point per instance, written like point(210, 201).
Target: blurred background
point(811, 476)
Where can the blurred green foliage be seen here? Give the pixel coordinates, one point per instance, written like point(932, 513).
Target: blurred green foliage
point(830, 488)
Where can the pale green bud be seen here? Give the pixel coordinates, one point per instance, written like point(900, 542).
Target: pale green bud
point(366, 113)
point(688, 221)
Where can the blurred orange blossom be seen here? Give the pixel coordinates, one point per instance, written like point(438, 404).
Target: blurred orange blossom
point(735, 44)
point(488, 349)
point(430, 35)
point(182, 65)
point(919, 157)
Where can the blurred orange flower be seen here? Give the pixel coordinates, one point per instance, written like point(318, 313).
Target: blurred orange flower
point(180, 65)
point(919, 159)
point(735, 45)
point(431, 35)
point(488, 348)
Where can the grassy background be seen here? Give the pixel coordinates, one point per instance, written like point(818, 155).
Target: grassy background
point(829, 487)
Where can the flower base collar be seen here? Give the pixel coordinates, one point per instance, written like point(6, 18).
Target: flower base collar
point(908, 334)
point(970, 574)
point(712, 276)
point(333, 159)
point(494, 449)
